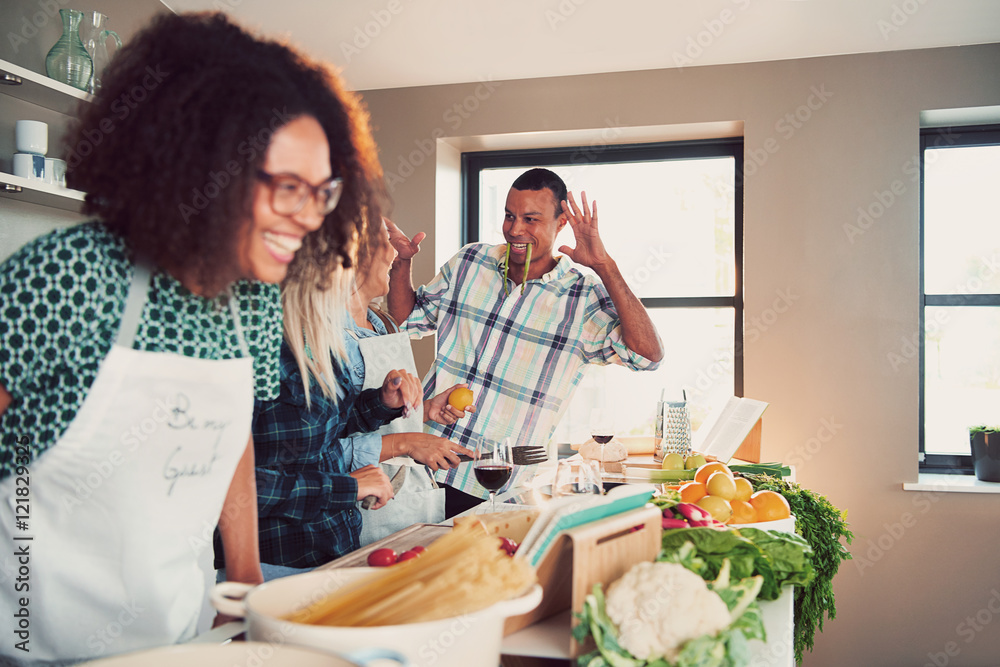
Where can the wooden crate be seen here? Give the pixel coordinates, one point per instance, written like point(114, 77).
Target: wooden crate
point(598, 552)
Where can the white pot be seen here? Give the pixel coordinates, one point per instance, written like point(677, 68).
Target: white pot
point(471, 640)
point(255, 654)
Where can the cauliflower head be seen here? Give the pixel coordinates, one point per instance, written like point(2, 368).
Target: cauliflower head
point(657, 607)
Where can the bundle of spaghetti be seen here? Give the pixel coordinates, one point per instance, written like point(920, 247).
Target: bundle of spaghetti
point(460, 573)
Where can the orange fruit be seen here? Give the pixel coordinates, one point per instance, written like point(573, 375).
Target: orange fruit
point(744, 489)
point(770, 506)
point(460, 398)
point(705, 471)
point(743, 512)
point(692, 492)
point(722, 485)
point(720, 509)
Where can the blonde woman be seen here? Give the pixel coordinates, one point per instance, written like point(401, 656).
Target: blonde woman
point(308, 482)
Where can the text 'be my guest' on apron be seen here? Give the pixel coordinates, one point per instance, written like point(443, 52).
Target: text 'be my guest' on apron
point(127, 499)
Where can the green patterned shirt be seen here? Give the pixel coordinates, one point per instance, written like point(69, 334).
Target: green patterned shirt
point(61, 301)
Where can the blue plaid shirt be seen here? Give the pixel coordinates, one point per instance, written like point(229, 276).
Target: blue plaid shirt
point(306, 500)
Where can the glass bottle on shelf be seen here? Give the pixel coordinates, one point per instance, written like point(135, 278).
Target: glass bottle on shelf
point(68, 60)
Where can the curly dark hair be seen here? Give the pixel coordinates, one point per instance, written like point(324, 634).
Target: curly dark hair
point(169, 149)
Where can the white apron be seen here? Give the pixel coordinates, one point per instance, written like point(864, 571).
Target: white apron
point(124, 503)
point(419, 500)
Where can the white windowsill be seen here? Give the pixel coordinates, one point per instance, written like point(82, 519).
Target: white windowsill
point(951, 484)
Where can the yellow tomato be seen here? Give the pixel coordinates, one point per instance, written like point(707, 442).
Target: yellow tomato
point(460, 398)
point(722, 485)
point(718, 507)
point(744, 489)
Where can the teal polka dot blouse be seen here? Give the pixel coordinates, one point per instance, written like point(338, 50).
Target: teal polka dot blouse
point(61, 302)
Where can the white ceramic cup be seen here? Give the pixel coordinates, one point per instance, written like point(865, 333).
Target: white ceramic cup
point(32, 136)
point(55, 171)
point(30, 166)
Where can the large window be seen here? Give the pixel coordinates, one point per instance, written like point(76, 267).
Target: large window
point(671, 217)
point(960, 292)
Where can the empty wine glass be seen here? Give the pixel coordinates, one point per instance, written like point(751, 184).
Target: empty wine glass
point(494, 465)
point(575, 477)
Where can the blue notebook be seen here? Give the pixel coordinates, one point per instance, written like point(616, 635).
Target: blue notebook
point(566, 513)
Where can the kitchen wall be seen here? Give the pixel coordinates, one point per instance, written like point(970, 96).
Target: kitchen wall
point(825, 136)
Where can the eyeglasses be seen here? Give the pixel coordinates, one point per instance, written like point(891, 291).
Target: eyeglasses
point(289, 193)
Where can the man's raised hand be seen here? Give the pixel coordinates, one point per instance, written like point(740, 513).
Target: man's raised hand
point(405, 247)
point(589, 250)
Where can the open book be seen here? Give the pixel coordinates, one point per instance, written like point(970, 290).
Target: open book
point(725, 429)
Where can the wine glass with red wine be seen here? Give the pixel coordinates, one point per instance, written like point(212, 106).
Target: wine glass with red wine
point(602, 428)
point(494, 466)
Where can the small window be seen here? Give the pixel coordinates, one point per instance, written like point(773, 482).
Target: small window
point(959, 346)
point(671, 217)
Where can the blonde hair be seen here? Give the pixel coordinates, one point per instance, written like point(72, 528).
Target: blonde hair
point(315, 313)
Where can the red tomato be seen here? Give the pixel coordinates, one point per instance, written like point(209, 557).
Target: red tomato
point(508, 545)
point(419, 549)
point(381, 558)
point(408, 555)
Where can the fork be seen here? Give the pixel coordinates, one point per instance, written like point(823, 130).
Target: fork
point(523, 455)
point(526, 455)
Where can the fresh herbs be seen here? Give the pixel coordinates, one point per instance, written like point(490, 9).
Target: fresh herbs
point(821, 525)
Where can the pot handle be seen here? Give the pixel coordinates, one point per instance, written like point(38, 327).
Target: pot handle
point(227, 598)
point(363, 656)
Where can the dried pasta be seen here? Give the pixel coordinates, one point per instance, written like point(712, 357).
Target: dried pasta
point(462, 572)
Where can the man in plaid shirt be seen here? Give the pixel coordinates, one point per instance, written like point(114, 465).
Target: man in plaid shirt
point(522, 342)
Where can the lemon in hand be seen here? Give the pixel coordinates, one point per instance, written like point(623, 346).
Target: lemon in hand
point(460, 398)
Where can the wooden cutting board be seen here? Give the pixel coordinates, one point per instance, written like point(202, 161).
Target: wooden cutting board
point(419, 534)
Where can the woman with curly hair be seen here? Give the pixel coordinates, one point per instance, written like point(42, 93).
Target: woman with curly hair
point(133, 347)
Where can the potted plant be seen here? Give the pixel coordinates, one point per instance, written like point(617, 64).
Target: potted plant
point(985, 441)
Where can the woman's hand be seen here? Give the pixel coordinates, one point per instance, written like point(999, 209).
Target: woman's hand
point(401, 390)
point(433, 451)
point(372, 481)
point(439, 410)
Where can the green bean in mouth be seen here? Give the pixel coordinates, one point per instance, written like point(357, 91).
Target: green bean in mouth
point(527, 265)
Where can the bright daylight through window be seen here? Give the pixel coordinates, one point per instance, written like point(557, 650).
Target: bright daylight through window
point(670, 216)
point(960, 293)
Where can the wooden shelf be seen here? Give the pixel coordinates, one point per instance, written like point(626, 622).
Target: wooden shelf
point(39, 89)
point(37, 192)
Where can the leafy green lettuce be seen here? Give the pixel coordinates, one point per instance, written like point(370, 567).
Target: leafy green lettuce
point(782, 559)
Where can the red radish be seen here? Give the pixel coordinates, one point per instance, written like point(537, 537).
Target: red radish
point(692, 512)
point(674, 523)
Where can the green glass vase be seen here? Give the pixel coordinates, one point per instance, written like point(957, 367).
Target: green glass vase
point(68, 61)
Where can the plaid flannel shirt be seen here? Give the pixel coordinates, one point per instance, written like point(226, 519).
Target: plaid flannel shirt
point(522, 355)
point(306, 500)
